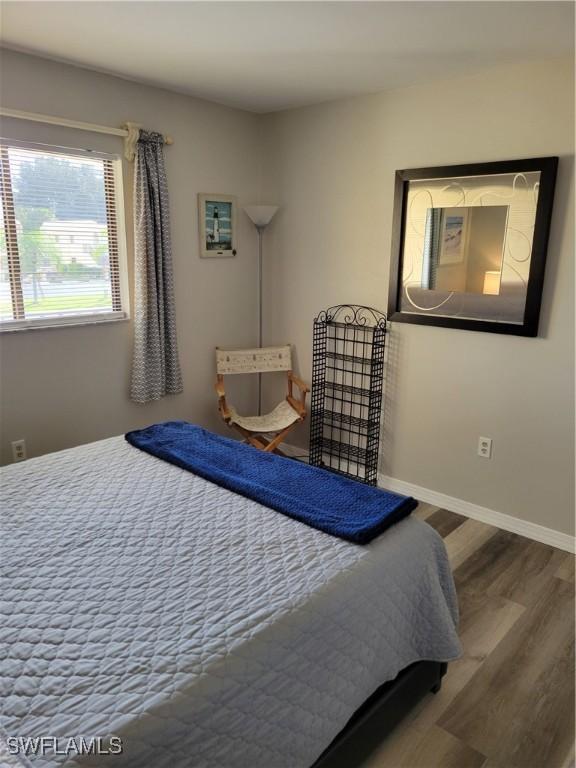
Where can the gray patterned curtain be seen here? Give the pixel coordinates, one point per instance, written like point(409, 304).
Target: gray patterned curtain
point(155, 367)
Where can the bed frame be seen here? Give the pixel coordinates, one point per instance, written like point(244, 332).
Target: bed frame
point(380, 714)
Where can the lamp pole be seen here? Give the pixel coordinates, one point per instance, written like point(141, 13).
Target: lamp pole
point(260, 215)
point(260, 230)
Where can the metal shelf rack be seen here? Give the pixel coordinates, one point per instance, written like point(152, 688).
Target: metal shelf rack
point(347, 384)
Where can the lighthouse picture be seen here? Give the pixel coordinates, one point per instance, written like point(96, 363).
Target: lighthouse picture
point(216, 225)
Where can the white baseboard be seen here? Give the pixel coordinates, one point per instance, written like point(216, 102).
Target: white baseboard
point(482, 514)
point(474, 511)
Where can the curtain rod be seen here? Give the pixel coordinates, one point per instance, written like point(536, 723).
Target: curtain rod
point(129, 132)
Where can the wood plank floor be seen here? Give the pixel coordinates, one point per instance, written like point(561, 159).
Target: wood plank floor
point(509, 701)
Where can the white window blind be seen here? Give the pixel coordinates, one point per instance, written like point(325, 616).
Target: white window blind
point(59, 236)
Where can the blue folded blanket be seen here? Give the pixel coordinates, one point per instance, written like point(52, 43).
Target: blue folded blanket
point(321, 499)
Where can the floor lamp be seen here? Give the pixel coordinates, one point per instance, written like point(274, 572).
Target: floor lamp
point(261, 216)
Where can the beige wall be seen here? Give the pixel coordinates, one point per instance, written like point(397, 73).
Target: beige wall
point(66, 386)
point(331, 168)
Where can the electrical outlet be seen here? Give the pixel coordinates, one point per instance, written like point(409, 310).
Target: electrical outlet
point(485, 447)
point(19, 450)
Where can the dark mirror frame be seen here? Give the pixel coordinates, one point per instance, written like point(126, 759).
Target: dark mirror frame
point(547, 167)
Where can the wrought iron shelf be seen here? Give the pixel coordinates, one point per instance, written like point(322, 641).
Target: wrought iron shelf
point(357, 360)
point(348, 389)
point(347, 383)
point(335, 417)
point(346, 451)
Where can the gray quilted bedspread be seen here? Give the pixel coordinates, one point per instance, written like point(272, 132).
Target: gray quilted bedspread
point(199, 627)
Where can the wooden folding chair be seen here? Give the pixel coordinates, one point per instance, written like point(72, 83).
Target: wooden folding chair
point(257, 430)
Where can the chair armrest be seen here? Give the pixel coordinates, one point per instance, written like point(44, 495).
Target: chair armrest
point(223, 406)
point(299, 383)
point(299, 406)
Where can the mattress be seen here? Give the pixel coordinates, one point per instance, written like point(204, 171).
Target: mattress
point(198, 627)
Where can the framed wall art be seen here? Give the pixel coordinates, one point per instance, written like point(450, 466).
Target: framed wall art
point(469, 245)
point(217, 225)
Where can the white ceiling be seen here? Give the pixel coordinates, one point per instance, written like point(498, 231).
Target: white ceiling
point(266, 56)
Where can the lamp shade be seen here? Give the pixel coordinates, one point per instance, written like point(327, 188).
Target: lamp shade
point(261, 215)
point(492, 282)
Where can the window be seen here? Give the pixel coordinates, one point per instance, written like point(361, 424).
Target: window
point(60, 236)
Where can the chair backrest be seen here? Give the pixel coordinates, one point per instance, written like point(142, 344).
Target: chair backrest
point(259, 360)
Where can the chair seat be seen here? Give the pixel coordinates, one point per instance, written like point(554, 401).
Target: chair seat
point(280, 418)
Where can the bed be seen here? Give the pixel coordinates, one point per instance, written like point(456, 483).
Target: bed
point(200, 628)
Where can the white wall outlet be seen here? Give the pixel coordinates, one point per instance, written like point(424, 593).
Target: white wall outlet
point(19, 450)
point(485, 447)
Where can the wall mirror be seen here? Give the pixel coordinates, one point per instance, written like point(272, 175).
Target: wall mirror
point(469, 245)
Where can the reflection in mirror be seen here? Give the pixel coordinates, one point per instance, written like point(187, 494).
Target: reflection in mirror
point(467, 246)
point(464, 248)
